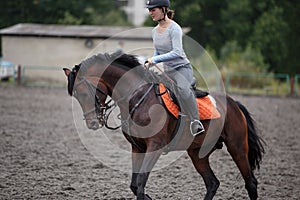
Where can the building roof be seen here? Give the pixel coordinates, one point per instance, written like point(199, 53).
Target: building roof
point(78, 31)
point(72, 31)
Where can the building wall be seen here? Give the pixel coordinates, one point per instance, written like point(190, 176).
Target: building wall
point(44, 51)
point(63, 52)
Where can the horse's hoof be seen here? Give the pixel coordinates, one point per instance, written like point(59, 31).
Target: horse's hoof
point(147, 197)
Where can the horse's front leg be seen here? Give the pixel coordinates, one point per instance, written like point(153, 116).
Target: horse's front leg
point(137, 161)
point(142, 164)
point(137, 179)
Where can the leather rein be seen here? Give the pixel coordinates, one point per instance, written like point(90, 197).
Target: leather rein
point(102, 111)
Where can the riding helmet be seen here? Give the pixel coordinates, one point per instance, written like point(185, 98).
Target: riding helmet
point(157, 3)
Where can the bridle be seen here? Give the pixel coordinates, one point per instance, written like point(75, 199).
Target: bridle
point(102, 110)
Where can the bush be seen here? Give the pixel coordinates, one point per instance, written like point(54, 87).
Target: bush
point(235, 59)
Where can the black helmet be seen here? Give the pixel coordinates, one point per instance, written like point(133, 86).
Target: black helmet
point(157, 3)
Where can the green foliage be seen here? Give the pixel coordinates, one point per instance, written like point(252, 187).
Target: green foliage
point(237, 20)
point(269, 28)
point(236, 59)
point(69, 19)
point(268, 36)
point(75, 12)
point(113, 17)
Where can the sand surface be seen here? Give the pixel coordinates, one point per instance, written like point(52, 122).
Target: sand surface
point(42, 155)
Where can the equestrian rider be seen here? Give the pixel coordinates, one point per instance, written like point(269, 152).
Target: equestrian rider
point(167, 39)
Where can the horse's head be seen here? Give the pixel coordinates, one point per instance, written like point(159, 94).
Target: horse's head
point(91, 93)
point(95, 78)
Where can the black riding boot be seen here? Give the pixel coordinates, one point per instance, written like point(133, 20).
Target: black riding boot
point(191, 109)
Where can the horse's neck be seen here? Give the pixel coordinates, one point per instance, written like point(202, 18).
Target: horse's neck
point(123, 83)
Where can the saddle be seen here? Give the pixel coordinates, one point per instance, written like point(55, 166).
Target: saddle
point(206, 103)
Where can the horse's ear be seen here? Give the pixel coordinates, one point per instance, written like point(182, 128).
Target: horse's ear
point(67, 71)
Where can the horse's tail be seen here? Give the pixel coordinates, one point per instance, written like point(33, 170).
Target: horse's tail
point(255, 143)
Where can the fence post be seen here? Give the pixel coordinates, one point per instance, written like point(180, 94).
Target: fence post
point(292, 86)
point(288, 82)
point(296, 84)
point(227, 81)
point(19, 74)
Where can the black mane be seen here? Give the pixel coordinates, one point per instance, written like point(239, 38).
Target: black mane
point(127, 60)
point(122, 60)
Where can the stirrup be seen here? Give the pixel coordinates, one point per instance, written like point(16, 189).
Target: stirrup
point(199, 131)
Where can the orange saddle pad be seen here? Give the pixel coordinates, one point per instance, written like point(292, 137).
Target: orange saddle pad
point(207, 109)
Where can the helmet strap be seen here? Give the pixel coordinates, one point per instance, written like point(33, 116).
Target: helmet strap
point(165, 13)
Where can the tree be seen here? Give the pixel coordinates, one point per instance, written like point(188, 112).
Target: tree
point(203, 17)
point(269, 36)
point(291, 15)
point(60, 11)
point(269, 27)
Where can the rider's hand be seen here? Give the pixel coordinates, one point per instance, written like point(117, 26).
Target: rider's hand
point(148, 63)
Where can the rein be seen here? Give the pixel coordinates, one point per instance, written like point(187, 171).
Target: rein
point(125, 123)
point(102, 111)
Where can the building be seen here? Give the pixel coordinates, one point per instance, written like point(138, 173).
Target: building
point(44, 46)
point(135, 10)
point(57, 45)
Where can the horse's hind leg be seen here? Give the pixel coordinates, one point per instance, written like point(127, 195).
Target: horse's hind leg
point(239, 153)
point(236, 138)
point(203, 167)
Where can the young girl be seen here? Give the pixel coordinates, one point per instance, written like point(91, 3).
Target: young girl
point(167, 39)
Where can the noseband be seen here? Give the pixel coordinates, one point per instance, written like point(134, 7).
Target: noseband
point(102, 110)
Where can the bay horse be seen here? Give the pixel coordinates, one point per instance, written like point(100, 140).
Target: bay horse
point(150, 128)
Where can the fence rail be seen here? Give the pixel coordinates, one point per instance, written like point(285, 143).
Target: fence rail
point(49, 76)
point(258, 83)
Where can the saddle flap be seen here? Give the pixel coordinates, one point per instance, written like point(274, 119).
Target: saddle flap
point(206, 104)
